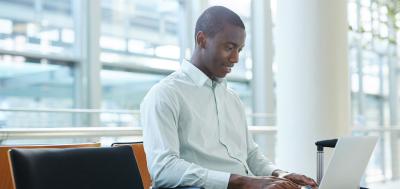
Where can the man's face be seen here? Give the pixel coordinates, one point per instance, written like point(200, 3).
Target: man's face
point(222, 51)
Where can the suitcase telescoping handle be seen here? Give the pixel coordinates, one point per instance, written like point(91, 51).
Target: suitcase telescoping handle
point(320, 156)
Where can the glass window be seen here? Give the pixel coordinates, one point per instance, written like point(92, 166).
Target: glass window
point(31, 31)
point(125, 90)
point(140, 33)
point(370, 54)
point(137, 37)
point(45, 27)
point(35, 83)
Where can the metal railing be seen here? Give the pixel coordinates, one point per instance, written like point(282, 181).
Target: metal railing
point(133, 130)
point(44, 127)
point(62, 117)
point(65, 110)
point(387, 128)
point(71, 132)
point(89, 132)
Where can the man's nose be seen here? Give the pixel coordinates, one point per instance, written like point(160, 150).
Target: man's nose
point(234, 58)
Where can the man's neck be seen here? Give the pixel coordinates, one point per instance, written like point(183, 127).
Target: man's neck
point(197, 61)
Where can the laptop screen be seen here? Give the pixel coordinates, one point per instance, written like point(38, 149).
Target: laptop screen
point(348, 163)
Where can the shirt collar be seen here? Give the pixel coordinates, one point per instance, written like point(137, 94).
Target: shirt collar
point(197, 76)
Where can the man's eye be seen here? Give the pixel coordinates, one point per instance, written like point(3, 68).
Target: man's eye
point(229, 48)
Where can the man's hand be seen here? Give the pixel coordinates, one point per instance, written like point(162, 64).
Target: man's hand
point(266, 182)
point(296, 178)
point(301, 179)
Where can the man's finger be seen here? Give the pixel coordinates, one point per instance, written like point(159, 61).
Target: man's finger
point(275, 178)
point(288, 184)
point(303, 180)
point(309, 181)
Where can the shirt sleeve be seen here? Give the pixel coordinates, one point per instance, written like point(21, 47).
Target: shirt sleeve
point(257, 162)
point(159, 118)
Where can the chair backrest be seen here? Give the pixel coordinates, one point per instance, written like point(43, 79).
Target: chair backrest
point(141, 161)
point(5, 167)
point(77, 168)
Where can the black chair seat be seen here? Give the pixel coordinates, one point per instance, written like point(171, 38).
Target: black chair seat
point(77, 168)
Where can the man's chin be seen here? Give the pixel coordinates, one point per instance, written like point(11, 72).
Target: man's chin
point(221, 76)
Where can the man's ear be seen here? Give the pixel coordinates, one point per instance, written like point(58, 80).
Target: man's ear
point(201, 39)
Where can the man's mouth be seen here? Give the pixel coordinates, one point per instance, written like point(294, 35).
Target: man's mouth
point(228, 68)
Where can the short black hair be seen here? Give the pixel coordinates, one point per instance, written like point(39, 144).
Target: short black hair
point(214, 18)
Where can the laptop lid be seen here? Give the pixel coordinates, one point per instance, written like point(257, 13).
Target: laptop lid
point(348, 163)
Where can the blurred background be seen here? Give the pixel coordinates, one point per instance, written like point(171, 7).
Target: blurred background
point(76, 71)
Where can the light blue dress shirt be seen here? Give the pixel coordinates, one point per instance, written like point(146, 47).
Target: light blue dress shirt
point(195, 132)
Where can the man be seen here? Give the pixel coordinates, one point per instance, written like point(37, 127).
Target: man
point(195, 131)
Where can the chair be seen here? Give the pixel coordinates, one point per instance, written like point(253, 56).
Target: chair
point(5, 171)
point(141, 161)
point(140, 156)
point(77, 168)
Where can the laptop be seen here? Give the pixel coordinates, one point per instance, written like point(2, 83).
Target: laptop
point(348, 163)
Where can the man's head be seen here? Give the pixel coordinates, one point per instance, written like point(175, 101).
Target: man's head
point(220, 36)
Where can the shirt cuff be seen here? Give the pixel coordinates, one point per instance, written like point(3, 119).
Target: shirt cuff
point(270, 170)
point(217, 180)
